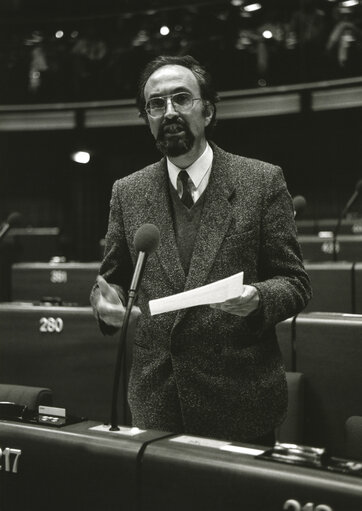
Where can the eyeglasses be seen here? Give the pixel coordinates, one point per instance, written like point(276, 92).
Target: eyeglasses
point(181, 101)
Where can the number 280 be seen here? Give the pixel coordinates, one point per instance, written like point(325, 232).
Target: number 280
point(51, 325)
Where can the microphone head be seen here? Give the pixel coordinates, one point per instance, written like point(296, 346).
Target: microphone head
point(147, 238)
point(13, 218)
point(299, 203)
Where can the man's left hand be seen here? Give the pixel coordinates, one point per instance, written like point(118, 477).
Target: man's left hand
point(242, 305)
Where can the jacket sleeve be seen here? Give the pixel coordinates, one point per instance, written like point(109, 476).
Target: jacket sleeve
point(284, 286)
point(116, 267)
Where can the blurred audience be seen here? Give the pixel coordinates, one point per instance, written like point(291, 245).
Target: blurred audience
point(95, 58)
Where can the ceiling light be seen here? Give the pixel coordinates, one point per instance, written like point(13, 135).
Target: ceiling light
point(164, 30)
point(350, 3)
point(252, 7)
point(81, 156)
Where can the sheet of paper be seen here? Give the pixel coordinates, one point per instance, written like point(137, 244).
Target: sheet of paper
point(216, 292)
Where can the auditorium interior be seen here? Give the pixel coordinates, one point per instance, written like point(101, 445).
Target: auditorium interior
point(289, 79)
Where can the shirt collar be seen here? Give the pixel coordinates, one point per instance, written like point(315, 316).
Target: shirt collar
point(196, 170)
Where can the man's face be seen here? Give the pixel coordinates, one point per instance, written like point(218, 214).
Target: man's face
point(176, 133)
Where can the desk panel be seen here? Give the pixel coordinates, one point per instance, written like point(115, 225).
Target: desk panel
point(72, 468)
point(6, 259)
point(284, 331)
point(71, 282)
point(329, 354)
point(333, 287)
point(315, 249)
point(195, 475)
point(34, 243)
point(60, 348)
point(358, 288)
point(348, 226)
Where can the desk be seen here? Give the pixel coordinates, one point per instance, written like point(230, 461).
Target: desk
point(191, 473)
point(348, 226)
point(72, 468)
point(34, 243)
point(60, 348)
point(80, 468)
point(71, 282)
point(358, 288)
point(329, 355)
point(316, 249)
point(332, 285)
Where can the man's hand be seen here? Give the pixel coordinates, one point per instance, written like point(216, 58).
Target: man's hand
point(242, 305)
point(110, 307)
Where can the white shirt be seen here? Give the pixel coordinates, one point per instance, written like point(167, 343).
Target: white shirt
point(199, 173)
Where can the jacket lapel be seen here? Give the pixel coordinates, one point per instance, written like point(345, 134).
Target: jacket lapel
point(215, 221)
point(214, 224)
point(160, 213)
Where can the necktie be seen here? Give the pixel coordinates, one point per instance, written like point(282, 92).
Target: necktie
point(186, 196)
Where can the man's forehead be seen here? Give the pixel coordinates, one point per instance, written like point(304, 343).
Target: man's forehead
point(169, 77)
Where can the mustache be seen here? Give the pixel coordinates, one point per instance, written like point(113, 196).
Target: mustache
point(172, 125)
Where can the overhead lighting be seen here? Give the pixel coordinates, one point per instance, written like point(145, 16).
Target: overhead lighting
point(267, 34)
point(237, 3)
point(59, 34)
point(164, 30)
point(252, 7)
point(81, 157)
point(350, 3)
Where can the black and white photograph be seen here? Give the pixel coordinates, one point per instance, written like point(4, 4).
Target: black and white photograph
point(180, 255)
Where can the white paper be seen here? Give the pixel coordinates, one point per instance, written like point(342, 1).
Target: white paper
point(242, 450)
point(216, 292)
point(122, 430)
point(201, 441)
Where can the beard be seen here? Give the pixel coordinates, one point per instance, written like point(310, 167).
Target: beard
point(174, 137)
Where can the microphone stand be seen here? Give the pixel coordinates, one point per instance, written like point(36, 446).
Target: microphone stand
point(341, 216)
point(122, 341)
point(335, 233)
point(3, 230)
point(118, 367)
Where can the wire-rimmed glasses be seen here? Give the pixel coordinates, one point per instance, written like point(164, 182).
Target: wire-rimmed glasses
point(181, 102)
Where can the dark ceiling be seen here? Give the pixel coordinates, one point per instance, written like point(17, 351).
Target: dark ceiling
point(72, 50)
point(30, 9)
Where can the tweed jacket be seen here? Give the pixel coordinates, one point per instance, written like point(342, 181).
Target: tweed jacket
point(222, 373)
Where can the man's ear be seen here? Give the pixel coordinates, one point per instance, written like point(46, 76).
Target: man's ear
point(208, 112)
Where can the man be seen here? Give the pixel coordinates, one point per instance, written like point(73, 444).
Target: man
point(215, 370)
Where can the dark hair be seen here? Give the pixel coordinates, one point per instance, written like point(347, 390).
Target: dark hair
point(208, 93)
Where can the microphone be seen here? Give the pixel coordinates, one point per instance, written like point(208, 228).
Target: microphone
point(146, 241)
point(11, 220)
point(299, 203)
point(357, 191)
